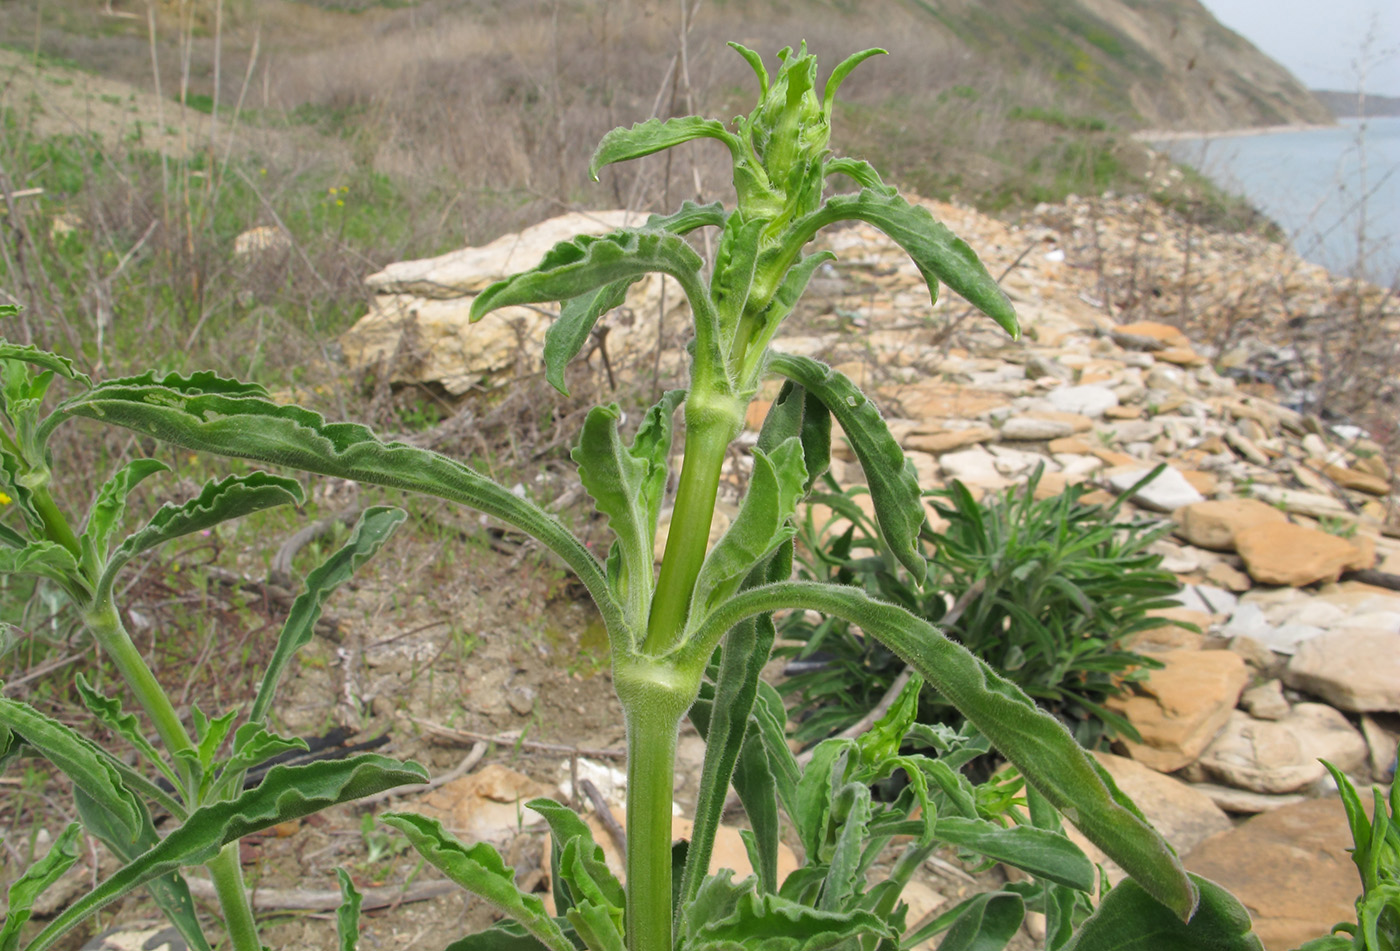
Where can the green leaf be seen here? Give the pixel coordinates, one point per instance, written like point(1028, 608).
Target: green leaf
point(26, 889)
point(1037, 744)
point(577, 861)
point(985, 922)
point(347, 916)
point(764, 522)
point(863, 173)
point(43, 358)
point(939, 254)
point(597, 927)
point(480, 870)
point(725, 721)
point(581, 265)
point(126, 725)
point(569, 332)
point(756, 62)
point(839, 74)
point(1044, 854)
point(656, 135)
point(726, 915)
point(795, 412)
point(45, 559)
point(287, 792)
point(1128, 919)
point(254, 744)
point(371, 531)
point(78, 759)
point(622, 483)
point(219, 501)
point(504, 935)
point(894, 484)
point(732, 277)
point(107, 510)
point(850, 814)
point(255, 429)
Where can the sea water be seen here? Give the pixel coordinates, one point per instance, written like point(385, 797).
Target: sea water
point(1324, 186)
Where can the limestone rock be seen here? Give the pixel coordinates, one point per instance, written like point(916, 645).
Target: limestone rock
point(1031, 428)
point(1089, 400)
point(1214, 524)
point(1356, 670)
point(946, 440)
point(1287, 554)
point(1180, 708)
point(1166, 493)
point(1291, 869)
point(486, 805)
point(975, 466)
point(1244, 802)
point(1282, 756)
point(1265, 701)
point(1358, 480)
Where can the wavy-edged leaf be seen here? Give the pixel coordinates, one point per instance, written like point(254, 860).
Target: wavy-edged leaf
point(290, 436)
point(287, 792)
point(43, 358)
point(218, 501)
point(373, 528)
point(45, 559)
point(985, 922)
point(26, 889)
point(862, 173)
point(795, 412)
point(618, 481)
point(839, 74)
point(109, 710)
point(1036, 743)
point(565, 337)
point(851, 815)
point(597, 927)
point(347, 915)
point(1042, 853)
point(785, 298)
point(657, 135)
point(726, 915)
point(732, 277)
point(1129, 919)
point(939, 254)
point(78, 759)
point(765, 521)
point(893, 481)
point(723, 722)
point(254, 744)
point(107, 509)
point(582, 872)
point(755, 61)
point(480, 870)
point(583, 264)
point(504, 935)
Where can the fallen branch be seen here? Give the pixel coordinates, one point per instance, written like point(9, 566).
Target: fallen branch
point(306, 899)
point(468, 736)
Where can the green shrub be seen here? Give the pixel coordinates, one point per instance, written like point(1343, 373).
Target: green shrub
point(1060, 585)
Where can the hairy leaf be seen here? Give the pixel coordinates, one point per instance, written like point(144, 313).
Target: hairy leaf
point(126, 725)
point(347, 916)
point(1129, 919)
point(504, 935)
point(371, 531)
point(585, 873)
point(107, 510)
point(656, 135)
point(1044, 854)
point(894, 485)
point(45, 559)
point(939, 254)
point(726, 915)
point(43, 358)
point(26, 889)
point(1037, 744)
point(248, 428)
point(764, 522)
point(287, 792)
point(984, 922)
point(219, 501)
point(480, 870)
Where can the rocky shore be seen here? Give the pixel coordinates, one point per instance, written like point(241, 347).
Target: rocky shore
point(1146, 341)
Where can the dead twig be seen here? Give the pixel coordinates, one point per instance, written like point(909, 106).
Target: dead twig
point(468, 736)
point(306, 899)
point(605, 816)
point(478, 751)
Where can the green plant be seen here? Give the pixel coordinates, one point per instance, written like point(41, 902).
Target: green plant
point(1059, 585)
point(710, 610)
point(1377, 858)
point(204, 768)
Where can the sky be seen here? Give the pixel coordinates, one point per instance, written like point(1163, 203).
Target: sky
point(1320, 40)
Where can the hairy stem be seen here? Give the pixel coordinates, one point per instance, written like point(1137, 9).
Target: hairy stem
point(227, 876)
point(708, 432)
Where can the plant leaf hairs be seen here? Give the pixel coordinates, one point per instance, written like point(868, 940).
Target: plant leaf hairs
point(664, 627)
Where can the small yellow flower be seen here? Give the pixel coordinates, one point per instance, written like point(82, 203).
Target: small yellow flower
point(5, 499)
point(331, 190)
point(340, 203)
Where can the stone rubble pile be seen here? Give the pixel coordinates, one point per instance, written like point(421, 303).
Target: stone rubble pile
point(1274, 511)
